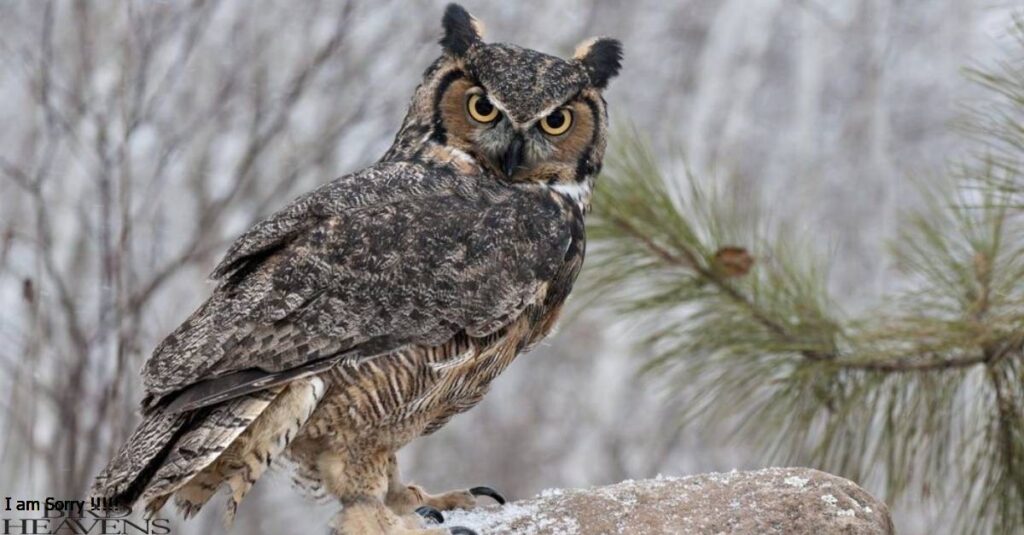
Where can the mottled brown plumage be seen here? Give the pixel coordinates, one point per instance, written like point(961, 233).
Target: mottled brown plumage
point(371, 310)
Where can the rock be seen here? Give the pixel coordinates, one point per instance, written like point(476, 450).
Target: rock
point(771, 501)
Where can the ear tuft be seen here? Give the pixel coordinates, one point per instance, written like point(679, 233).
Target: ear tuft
point(601, 57)
point(461, 30)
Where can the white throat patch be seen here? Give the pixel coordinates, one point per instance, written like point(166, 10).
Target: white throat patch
point(578, 192)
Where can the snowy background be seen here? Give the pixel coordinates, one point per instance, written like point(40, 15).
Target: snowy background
point(140, 137)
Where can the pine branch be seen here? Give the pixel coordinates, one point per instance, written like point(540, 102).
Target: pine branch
point(997, 123)
point(689, 261)
point(756, 345)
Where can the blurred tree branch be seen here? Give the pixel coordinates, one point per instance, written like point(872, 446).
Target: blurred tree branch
point(149, 139)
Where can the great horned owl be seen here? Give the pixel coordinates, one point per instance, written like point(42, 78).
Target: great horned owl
point(371, 310)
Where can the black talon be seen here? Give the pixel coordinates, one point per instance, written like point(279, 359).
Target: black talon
point(430, 513)
point(488, 491)
point(459, 530)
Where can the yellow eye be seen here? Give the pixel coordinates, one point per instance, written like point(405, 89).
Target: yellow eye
point(557, 123)
point(481, 109)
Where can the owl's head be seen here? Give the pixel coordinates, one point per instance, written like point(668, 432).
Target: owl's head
point(522, 114)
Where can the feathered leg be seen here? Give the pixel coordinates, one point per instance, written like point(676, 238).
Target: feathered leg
point(404, 498)
point(362, 487)
point(369, 516)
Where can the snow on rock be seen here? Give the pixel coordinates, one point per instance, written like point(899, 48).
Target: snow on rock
point(769, 501)
point(794, 481)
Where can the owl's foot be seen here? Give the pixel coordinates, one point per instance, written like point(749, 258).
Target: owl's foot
point(490, 493)
point(369, 516)
point(433, 515)
point(429, 513)
point(411, 497)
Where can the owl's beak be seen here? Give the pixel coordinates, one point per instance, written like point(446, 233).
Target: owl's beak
point(513, 157)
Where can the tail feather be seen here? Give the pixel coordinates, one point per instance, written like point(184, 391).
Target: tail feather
point(190, 455)
point(248, 457)
point(193, 496)
point(200, 446)
point(126, 476)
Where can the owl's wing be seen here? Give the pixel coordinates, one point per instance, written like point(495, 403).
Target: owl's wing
point(355, 271)
point(378, 184)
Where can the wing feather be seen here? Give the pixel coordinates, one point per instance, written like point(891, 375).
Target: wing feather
point(375, 185)
point(355, 272)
